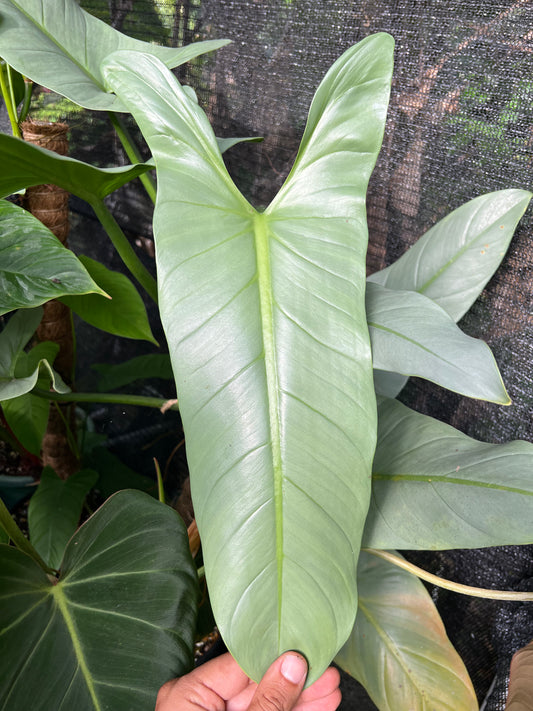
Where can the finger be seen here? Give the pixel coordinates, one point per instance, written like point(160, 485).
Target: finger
point(208, 686)
point(323, 686)
point(282, 684)
point(326, 703)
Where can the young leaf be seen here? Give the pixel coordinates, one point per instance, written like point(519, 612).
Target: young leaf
point(35, 266)
point(19, 373)
point(455, 259)
point(54, 512)
point(264, 315)
point(24, 165)
point(124, 314)
point(27, 415)
point(412, 335)
point(118, 623)
point(435, 488)
point(154, 365)
point(398, 649)
point(61, 47)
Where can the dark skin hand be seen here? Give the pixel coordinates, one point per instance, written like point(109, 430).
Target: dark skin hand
point(221, 685)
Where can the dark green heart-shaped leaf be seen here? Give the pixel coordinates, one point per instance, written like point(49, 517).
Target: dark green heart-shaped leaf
point(24, 165)
point(118, 623)
point(61, 47)
point(435, 488)
point(54, 512)
point(35, 266)
point(399, 650)
point(124, 314)
point(265, 319)
point(412, 335)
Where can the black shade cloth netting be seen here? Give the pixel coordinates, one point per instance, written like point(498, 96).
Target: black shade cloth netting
point(460, 124)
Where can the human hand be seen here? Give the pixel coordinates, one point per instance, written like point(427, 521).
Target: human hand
point(221, 685)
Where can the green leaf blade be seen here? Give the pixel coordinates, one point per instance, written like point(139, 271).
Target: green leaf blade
point(412, 335)
point(123, 314)
point(25, 164)
point(254, 373)
point(455, 259)
point(62, 47)
point(399, 650)
point(54, 512)
point(36, 267)
point(434, 488)
point(91, 639)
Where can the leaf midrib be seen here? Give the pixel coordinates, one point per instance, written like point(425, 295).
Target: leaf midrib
point(444, 479)
point(61, 601)
point(264, 279)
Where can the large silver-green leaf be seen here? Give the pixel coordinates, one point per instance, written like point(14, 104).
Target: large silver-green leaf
point(34, 266)
point(24, 164)
point(413, 335)
point(265, 320)
point(118, 623)
point(435, 488)
point(455, 259)
point(61, 47)
point(399, 650)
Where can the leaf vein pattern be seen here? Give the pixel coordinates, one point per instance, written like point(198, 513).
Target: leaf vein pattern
point(112, 613)
point(225, 385)
point(218, 311)
point(310, 335)
point(27, 662)
point(23, 615)
point(212, 248)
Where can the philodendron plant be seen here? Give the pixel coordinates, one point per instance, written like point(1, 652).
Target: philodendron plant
point(279, 346)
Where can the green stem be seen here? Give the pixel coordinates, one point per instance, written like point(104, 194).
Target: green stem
point(110, 398)
point(124, 248)
point(133, 153)
point(26, 103)
point(486, 593)
point(11, 109)
point(160, 486)
point(19, 539)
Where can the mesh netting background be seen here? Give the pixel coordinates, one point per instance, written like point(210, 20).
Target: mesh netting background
point(460, 124)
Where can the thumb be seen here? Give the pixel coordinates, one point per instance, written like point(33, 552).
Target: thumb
point(280, 688)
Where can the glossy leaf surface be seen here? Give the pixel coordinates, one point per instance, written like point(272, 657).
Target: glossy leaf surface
point(24, 165)
point(435, 488)
point(124, 314)
point(264, 315)
point(34, 266)
point(60, 46)
point(412, 335)
point(54, 512)
point(455, 259)
point(117, 625)
point(399, 650)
